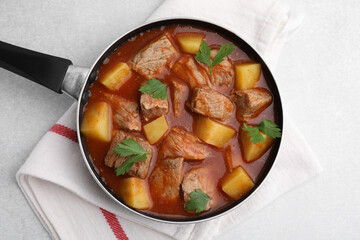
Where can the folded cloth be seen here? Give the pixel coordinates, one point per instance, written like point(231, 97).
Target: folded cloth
point(69, 203)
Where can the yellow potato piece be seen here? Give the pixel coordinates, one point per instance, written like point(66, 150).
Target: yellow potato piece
point(237, 183)
point(247, 74)
point(96, 122)
point(134, 193)
point(190, 43)
point(156, 129)
point(254, 151)
point(116, 76)
point(212, 132)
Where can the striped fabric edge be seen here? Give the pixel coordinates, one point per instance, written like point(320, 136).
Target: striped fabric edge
point(64, 131)
point(114, 225)
point(111, 218)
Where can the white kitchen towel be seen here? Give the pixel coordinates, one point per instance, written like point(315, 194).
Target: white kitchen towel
point(69, 203)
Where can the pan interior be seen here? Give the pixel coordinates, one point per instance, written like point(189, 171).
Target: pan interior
point(240, 43)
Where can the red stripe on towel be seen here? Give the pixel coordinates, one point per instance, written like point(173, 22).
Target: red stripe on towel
point(114, 225)
point(65, 132)
point(110, 217)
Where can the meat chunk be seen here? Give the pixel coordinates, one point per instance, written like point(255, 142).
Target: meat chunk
point(139, 169)
point(153, 107)
point(189, 71)
point(126, 113)
point(223, 74)
point(165, 180)
point(180, 143)
point(155, 58)
point(211, 103)
point(251, 102)
point(198, 178)
point(180, 90)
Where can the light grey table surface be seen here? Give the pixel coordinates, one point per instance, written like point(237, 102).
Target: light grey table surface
point(317, 73)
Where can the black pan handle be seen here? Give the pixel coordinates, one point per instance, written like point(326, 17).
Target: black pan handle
point(41, 68)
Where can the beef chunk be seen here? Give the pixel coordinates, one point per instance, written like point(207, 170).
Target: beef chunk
point(180, 90)
point(211, 103)
point(250, 102)
point(166, 178)
point(139, 169)
point(189, 71)
point(153, 107)
point(155, 58)
point(198, 178)
point(180, 143)
point(126, 113)
point(222, 73)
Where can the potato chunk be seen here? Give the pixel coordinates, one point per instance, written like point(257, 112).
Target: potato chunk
point(212, 132)
point(96, 122)
point(237, 183)
point(116, 76)
point(134, 193)
point(190, 43)
point(254, 151)
point(156, 129)
point(247, 74)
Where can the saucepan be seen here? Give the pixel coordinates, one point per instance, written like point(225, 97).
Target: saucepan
point(61, 76)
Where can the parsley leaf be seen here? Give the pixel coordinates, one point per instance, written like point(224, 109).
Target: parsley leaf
point(221, 54)
point(204, 54)
point(154, 87)
point(268, 127)
point(126, 166)
point(254, 134)
point(129, 147)
point(198, 201)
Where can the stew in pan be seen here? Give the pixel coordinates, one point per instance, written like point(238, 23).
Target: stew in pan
point(180, 121)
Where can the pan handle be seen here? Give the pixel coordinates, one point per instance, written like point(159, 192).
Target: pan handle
point(75, 79)
point(55, 73)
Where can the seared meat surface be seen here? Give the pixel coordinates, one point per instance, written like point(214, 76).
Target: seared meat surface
point(165, 180)
point(153, 107)
point(126, 113)
point(189, 71)
point(223, 74)
point(155, 58)
point(179, 97)
point(198, 178)
point(251, 102)
point(139, 169)
point(180, 143)
point(211, 103)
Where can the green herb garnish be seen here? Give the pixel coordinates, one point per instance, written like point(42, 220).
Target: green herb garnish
point(204, 54)
point(268, 127)
point(154, 87)
point(129, 147)
point(198, 201)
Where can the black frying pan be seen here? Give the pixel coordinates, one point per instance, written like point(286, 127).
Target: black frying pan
point(59, 75)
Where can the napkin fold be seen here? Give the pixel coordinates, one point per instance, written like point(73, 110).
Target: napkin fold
point(69, 203)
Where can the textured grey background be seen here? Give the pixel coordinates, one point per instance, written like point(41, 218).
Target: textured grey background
point(317, 73)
